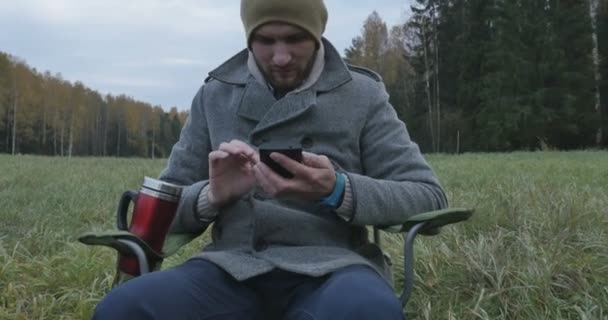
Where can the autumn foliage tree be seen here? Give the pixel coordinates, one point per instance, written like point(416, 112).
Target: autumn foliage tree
point(41, 113)
point(385, 52)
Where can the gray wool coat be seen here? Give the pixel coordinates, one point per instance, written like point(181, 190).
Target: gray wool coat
point(346, 116)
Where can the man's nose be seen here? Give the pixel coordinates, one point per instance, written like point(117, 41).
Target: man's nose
point(281, 56)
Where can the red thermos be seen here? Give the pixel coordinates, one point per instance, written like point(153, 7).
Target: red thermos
point(154, 208)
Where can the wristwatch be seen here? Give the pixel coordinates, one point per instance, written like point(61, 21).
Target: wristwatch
point(333, 200)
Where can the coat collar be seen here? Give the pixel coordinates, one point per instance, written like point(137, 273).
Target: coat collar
point(257, 102)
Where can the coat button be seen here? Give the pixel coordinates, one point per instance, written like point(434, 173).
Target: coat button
point(258, 141)
point(259, 195)
point(306, 142)
point(260, 245)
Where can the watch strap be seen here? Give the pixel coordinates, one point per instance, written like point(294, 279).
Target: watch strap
point(333, 199)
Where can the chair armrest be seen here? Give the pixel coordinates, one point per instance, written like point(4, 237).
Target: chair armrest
point(172, 244)
point(427, 223)
point(116, 239)
point(433, 221)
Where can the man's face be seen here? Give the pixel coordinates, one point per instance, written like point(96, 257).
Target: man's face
point(284, 53)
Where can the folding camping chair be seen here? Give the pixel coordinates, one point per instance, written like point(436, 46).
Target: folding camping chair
point(126, 243)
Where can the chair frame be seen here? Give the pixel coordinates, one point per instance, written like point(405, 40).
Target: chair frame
point(428, 224)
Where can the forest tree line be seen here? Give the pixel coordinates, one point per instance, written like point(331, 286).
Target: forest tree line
point(41, 113)
point(465, 76)
point(495, 75)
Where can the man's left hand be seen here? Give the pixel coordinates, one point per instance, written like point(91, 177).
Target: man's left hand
point(312, 180)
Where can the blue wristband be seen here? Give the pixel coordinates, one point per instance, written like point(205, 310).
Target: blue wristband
point(333, 200)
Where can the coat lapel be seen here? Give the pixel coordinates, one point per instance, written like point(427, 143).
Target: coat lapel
point(288, 108)
point(257, 102)
point(335, 73)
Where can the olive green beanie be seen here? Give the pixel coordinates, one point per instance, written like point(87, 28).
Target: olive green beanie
point(310, 15)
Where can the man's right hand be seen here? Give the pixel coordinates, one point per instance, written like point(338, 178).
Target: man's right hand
point(231, 172)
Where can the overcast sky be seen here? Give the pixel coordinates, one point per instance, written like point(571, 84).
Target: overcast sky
point(156, 51)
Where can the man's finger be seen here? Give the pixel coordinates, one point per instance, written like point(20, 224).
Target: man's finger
point(315, 161)
point(262, 173)
point(231, 148)
point(289, 164)
point(247, 149)
point(217, 155)
point(238, 148)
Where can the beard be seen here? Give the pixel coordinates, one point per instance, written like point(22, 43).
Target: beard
point(284, 80)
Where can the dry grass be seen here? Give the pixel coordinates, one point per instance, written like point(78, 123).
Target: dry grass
point(537, 247)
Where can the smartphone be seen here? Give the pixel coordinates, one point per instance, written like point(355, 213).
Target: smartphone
point(294, 153)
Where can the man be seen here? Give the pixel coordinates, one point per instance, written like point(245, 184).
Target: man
point(285, 248)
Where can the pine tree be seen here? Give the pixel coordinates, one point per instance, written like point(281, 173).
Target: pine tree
point(602, 37)
point(425, 60)
point(575, 121)
point(503, 78)
point(463, 37)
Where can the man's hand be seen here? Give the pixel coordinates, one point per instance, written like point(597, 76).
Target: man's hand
point(312, 180)
point(231, 172)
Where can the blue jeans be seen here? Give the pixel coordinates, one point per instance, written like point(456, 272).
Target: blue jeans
point(198, 289)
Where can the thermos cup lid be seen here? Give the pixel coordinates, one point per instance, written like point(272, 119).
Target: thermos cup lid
point(162, 186)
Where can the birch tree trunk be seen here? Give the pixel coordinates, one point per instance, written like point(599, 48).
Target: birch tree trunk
point(95, 138)
point(7, 124)
point(44, 116)
point(62, 135)
point(55, 136)
point(153, 142)
point(118, 142)
point(593, 5)
point(436, 65)
point(105, 131)
point(428, 89)
point(14, 139)
point(71, 141)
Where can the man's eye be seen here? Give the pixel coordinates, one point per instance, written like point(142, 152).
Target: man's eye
point(264, 40)
point(296, 38)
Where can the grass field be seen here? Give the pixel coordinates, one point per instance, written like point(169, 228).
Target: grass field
point(537, 247)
